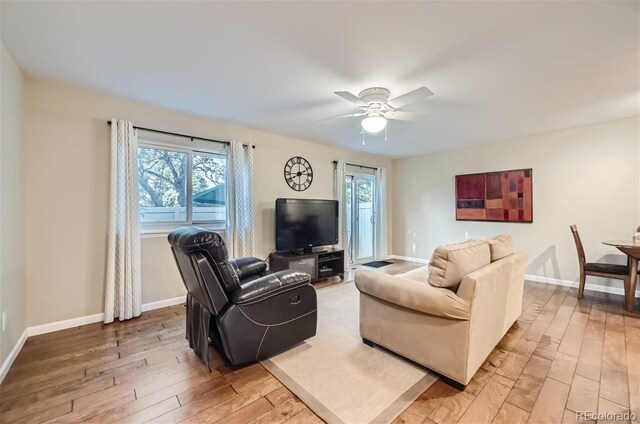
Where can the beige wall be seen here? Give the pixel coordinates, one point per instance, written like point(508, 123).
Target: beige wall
point(67, 152)
point(12, 264)
point(588, 176)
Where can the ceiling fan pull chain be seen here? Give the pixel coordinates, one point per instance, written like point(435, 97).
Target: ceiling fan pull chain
point(362, 132)
point(385, 132)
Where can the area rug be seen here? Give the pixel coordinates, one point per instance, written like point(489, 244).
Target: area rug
point(340, 378)
point(377, 264)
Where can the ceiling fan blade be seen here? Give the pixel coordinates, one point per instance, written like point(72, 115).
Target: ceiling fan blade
point(342, 116)
point(407, 116)
point(410, 97)
point(351, 98)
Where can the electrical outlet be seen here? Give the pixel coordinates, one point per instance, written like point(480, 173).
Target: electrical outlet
point(4, 320)
point(466, 235)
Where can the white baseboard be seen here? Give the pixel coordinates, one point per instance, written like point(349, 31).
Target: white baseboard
point(90, 319)
point(36, 330)
point(410, 259)
point(537, 278)
point(163, 303)
point(70, 323)
point(6, 365)
point(587, 286)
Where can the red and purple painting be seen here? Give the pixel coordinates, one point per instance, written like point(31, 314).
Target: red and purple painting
point(503, 196)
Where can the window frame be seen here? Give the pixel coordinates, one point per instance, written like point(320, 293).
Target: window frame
point(167, 226)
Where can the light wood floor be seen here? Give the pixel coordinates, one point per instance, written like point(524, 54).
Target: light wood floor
point(562, 356)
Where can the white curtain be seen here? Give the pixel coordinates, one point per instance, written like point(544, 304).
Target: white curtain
point(340, 194)
point(380, 215)
point(123, 293)
point(239, 232)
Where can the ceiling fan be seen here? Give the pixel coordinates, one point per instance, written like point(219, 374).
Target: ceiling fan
point(375, 104)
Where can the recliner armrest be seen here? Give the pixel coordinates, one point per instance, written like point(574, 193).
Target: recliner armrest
point(270, 285)
point(248, 266)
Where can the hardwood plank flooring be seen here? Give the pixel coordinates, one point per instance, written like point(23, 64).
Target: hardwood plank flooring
point(561, 356)
point(509, 414)
point(551, 401)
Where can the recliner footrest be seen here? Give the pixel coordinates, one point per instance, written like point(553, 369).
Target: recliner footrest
point(264, 328)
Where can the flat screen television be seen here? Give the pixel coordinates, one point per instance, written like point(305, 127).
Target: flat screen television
point(306, 223)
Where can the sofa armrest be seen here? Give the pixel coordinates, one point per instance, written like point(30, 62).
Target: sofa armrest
point(413, 295)
point(248, 266)
point(270, 285)
point(495, 295)
point(491, 282)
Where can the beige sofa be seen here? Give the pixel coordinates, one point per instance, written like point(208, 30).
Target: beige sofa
point(449, 315)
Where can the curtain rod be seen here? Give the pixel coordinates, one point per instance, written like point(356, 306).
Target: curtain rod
point(335, 162)
point(192, 137)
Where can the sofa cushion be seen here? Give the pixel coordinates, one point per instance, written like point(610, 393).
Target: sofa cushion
point(414, 295)
point(450, 263)
point(420, 275)
point(500, 246)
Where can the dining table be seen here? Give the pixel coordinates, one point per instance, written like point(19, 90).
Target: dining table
point(630, 248)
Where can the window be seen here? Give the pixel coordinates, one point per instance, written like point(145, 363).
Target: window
point(179, 186)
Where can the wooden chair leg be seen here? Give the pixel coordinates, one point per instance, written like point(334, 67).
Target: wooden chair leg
point(583, 278)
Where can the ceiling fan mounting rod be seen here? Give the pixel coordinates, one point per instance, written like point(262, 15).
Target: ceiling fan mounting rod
point(375, 95)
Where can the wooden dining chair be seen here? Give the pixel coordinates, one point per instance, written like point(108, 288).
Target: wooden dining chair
point(597, 269)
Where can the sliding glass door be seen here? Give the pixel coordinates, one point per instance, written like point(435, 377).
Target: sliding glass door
point(360, 189)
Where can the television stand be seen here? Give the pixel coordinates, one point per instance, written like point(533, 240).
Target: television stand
point(319, 265)
point(305, 251)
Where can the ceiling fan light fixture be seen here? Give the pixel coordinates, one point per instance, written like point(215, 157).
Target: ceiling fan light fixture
point(374, 124)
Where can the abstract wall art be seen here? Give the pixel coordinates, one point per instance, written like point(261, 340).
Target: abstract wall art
point(502, 196)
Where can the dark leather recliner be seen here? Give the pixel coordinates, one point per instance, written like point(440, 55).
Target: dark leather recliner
point(246, 312)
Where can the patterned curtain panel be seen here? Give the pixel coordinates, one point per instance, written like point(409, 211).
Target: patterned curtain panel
point(380, 215)
point(239, 232)
point(340, 194)
point(123, 293)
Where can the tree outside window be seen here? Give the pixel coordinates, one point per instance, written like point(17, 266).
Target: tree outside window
point(163, 180)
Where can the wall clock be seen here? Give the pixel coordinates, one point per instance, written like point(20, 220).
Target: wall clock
point(298, 173)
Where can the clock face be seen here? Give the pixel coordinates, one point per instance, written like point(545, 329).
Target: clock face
point(298, 173)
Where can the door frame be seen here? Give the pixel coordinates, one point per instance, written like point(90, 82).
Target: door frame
point(353, 246)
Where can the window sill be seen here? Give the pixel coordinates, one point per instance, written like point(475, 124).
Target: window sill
point(164, 231)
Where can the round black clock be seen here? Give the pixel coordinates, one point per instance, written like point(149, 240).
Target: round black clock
point(298, 173)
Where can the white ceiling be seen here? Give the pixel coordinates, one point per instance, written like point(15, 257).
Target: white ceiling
point(499, 70)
